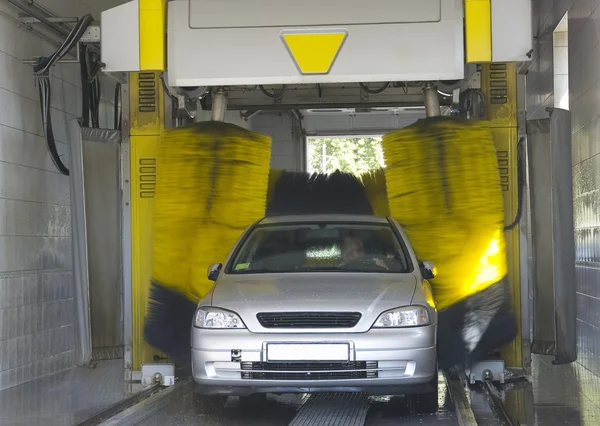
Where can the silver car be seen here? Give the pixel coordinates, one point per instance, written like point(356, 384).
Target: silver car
point(319, 303)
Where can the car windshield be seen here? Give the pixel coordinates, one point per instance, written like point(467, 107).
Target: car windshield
point(309, 247)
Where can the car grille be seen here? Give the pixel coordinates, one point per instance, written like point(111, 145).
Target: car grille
point(309, 371)
point(308, 319)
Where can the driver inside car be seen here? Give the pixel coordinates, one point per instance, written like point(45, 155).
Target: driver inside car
point(353, 250)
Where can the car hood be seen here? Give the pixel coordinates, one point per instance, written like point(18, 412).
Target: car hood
point(370, 294)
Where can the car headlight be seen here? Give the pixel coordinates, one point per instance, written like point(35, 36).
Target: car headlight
point(215, 318)
point(408, 316)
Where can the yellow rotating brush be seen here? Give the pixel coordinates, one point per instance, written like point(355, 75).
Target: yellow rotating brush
point(211, 184)
point(376, 190)
point(443, 186)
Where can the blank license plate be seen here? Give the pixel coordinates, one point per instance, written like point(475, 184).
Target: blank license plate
point(308, 352)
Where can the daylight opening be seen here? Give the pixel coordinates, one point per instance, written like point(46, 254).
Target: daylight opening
point(349, 154)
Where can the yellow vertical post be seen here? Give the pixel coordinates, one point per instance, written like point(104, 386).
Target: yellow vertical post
point(478, 31)
point(499, 84)
point(152, 17)
point(147, 120)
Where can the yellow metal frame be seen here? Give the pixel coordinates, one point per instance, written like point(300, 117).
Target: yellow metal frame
point(499, 84)
point(478, 31)
point(152, 24)
point(147, 120)
point(152, 20)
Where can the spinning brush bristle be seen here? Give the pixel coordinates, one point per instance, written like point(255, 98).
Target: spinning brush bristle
point(443, 186)
point(303, 193)
point(211, 184)
point(375, 187)
point(441, 183)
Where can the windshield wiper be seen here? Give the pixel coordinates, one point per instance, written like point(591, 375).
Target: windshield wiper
point(322, 269)
point(253, 271)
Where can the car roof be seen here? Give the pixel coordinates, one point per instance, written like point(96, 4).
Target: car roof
point(328, 218)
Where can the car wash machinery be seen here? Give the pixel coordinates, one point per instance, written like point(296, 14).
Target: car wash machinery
point(206, 49)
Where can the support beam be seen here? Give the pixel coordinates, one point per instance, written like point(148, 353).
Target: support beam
point(499, 85)
point(478, 31)
point(147, 121)
point(432, 101)
point(31, 20)
point(331, 96)
point(219, 105)
point(36, 13)
point(152, 20)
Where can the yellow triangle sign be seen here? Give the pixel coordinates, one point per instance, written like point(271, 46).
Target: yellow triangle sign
point(314, 53)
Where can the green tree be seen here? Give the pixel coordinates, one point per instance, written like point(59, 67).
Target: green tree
point(350, 155)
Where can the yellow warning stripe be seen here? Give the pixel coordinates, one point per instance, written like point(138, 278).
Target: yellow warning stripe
point(314, 52)
point(478, 30)
point(152, 16)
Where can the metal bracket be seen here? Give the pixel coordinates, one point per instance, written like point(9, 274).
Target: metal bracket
point(492, 370)
point(61, 61)
point(475, 81)
point(91, 35)
point(186, 108)
point(162, 374)
point(455, 108)
point(31, 9)
point(61, 25)
point(522, 123)
point(185, 101)
point(249, 114)
point(364, 96)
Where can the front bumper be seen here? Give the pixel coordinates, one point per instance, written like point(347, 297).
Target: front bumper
point(395, 361)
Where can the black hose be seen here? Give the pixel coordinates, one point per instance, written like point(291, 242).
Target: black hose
point(275, 95)
point(467, 103)
point(174, 99)
point(374, 91)
point(42, 72)
point(117, 110)
point(90, 87)
point(85, 89)
point(95, 103)
point(74, 36)
point(520, 183)
point(45, 102)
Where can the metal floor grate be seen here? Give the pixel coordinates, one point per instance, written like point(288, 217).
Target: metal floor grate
point(333, 409)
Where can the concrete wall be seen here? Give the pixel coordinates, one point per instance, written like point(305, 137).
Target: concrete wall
point(584, 99)
point(36, 288)
point(287, 150)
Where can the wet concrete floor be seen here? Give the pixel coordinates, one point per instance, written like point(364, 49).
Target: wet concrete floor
point(554, 395)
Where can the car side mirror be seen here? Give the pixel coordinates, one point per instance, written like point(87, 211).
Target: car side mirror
point(214, 270)
point(428, 270)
